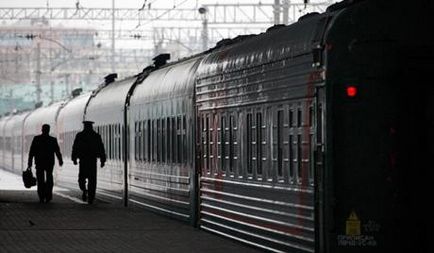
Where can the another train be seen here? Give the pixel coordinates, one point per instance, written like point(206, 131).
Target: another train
point(312, 137)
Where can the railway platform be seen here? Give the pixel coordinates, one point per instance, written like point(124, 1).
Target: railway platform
point(67, 224)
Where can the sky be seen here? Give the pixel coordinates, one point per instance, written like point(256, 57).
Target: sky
point(127, 3)
point(85, 3)
point(118, 3)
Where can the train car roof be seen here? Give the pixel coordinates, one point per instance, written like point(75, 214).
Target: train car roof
point(3, 121)
point(15, 120)
point(9, 126)
point(277, 43)
point(107, 103)
point(71, 115)
point(173, 80)
point(40, 116)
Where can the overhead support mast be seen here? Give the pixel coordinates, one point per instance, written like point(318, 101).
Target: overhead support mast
point(113, 37)
point(276, 12)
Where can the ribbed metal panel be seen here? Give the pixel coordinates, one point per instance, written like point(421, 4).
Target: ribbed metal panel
point(278, 218)
point(263, 87)
point(161, 145)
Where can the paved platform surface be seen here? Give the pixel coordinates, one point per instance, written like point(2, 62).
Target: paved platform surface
point(68, 225)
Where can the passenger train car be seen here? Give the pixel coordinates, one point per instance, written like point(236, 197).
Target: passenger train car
point(311, 137)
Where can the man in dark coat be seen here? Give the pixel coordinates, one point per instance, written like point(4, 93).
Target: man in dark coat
point(87, 148)
point(43, 148)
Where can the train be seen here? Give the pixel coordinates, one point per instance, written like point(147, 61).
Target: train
point(311, 137)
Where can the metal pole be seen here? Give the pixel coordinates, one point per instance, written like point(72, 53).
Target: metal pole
point(51, 71)
point(276, 12)
point(38, 72)
point(113, 37)
point(205, 34)
point(67, 90)
point(203, 11)
point(285, 12)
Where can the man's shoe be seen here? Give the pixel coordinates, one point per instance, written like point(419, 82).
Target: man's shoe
point(84, 196)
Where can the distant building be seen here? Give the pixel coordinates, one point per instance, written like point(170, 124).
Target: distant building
point(55, 59)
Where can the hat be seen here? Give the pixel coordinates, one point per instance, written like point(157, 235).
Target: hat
point(87, 122)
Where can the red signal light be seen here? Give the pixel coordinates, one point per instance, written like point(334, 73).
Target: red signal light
point(351, 91)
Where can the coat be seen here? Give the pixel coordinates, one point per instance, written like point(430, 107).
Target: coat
point(43, 149)
point(88, 146)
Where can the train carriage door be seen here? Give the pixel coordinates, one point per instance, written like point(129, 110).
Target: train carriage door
point(318, 166)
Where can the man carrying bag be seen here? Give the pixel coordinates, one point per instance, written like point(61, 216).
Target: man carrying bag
point(43, 149)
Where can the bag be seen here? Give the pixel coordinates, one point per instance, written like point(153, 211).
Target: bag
point(28, 178)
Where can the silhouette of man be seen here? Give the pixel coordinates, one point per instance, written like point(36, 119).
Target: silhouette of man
point(43, 148)
point(87, 148)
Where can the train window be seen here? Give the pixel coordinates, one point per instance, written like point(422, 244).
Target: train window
point(259, 143)
point(232, 143)
point(236, 140)
point(211, 141)
point(111, 137)
point(202, 141)
point(110, 140)
point(158, 140)
point(145, 140)
point(311, 160)
point(223, 143)
point(249, 143)
point(291, 118)
point(118, 140)
point(119, 143)
point(163, 140)
point(179, 138)
point(152, 146)
point(299, 117)
point(254, 148)
point(139, 139)
point(184, 139)
point(135, 141)
point(105, 138)
point(310, 116)
point(299, 158)
point(125, 155)
point(173, 133)
point(204, 138)
point(218, 144)
point(115, 142)
point(148, 140)
point(208, 139)
point(114, 148)
point(292, 160)
point(279, 143)
point(168, 140)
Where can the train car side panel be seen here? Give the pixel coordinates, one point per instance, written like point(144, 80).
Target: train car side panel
point(106, 109)
point(257, 109)
point(162, 123)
